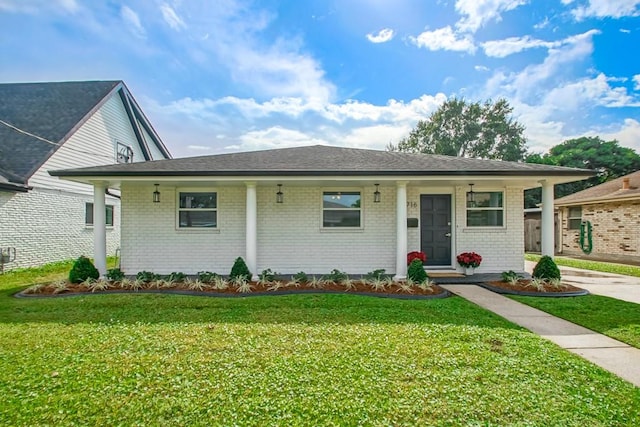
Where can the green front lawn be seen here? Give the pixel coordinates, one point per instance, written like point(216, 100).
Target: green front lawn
point(615, 318)
point(288, 360)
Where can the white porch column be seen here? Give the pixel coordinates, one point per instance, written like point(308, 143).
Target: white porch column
point(252, 229)
point(99, 228)
point(401, 231)
point(547, 226)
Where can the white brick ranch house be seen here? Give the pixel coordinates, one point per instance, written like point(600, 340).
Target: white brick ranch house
point(317, 208)
point(56, 125)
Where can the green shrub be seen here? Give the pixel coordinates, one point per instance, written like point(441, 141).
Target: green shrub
point(82, 270)
point(176, 277)
point(301, 277)
point(207, 276)
point(147, 276)
point(377, 274)
point(268, 275)
point(239, 269)
point(115, 274)
point(416, 272)
point(336, 276)
point(546, 269)
point(509, 276)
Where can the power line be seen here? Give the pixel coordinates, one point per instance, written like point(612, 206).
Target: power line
point(39, 138)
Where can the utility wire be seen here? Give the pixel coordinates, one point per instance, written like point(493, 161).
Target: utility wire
point(39, 138)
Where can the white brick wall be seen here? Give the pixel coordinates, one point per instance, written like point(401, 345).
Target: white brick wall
point(48, 225)
point(151, 242)
point(501, 249)
point(290, 237)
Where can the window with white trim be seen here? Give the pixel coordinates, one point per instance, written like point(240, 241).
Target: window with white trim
point(88, 214)
point(197, 209)
point(575, 217)
point(485, 209)
point(341, 209)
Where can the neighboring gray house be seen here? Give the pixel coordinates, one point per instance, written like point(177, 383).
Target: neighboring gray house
point(612, 209)
point(60, 125)
point(317, 208)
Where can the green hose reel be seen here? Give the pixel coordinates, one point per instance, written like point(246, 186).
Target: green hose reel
point(586, 237)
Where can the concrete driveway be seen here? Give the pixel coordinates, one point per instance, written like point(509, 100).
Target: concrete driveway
point(617, 286)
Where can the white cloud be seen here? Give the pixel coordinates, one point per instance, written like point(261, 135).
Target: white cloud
point(590, 92)
point(444, 39)
point(511, 45)
point(199, 147)
point(628, 134)
point(132, 19)
point(636, 80)
point(38, 6)
point(383, 36)
point(481, 68)
point(478, 12)
point(171, 17)
point(607, 9)
point(624, 30)
point(274, 137)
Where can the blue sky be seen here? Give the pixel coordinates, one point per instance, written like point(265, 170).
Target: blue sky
point(236, 75)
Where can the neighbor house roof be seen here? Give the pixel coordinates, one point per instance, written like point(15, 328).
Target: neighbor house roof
point(623, 188)
point(37, 118)
point(320, 160)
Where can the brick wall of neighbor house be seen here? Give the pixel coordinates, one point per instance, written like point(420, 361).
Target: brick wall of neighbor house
point(62, 236)
point(616, 231)
point(290, 238)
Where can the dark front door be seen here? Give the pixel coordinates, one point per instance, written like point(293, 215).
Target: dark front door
point(435, 229)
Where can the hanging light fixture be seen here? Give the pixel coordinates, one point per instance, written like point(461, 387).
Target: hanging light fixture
point(376, 194)
point(471, 200)
point(279, 194)
point(156, 195)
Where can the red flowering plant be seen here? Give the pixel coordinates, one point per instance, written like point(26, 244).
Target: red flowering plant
point(469, 259)
point(416, 255)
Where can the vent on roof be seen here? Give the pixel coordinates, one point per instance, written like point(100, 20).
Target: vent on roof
point(625, 184)
point(124, 153)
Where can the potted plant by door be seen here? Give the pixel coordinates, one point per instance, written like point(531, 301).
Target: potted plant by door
point(469, 261)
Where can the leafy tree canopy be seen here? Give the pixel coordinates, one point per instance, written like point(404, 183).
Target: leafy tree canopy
point(463, 129)
point(608, 158)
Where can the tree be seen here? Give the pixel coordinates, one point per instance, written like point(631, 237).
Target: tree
point(607, 158)
point(464, 129)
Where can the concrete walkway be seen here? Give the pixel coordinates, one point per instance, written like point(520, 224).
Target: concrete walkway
point(617, 286)
point(614, 356)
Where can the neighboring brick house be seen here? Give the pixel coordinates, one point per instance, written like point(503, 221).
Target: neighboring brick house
point(58, 125)
point(315, 209)
point(613, 210)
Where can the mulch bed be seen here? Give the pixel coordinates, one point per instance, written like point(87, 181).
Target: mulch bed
point(523, 288)
point(391, 291)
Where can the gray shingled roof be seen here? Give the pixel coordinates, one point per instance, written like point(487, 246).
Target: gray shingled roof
point(48, 110)
point(610, 190)
point(322, 160)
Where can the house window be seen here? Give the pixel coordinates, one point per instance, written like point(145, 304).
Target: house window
point(88, 214)
point(341, 209)
point(485, 209)
point(124, 153)
point(575, 217)
point(197, 209)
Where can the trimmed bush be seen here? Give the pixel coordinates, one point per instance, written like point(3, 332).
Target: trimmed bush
point(115, 274)
point(82, 270)
point(546, 269)
point(147, 276)
point(240, 269)
point(416, 271)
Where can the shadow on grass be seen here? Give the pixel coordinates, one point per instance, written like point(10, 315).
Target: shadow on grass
point(307, 309)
